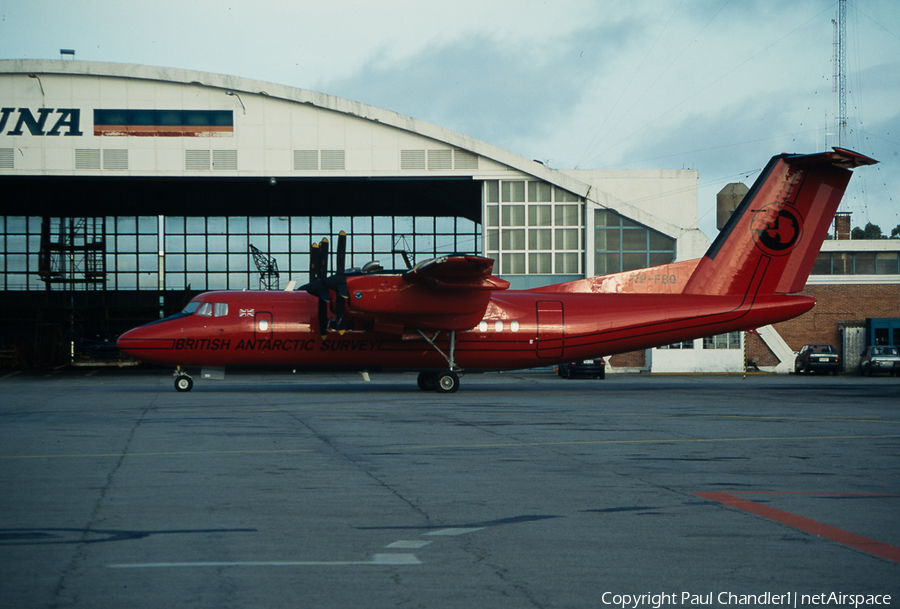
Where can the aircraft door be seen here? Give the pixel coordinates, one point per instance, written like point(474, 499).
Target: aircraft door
point(550, 328)
point(262, 326)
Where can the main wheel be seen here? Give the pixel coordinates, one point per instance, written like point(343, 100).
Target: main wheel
point(427, 381)
point(183, 383)
point(447, 382)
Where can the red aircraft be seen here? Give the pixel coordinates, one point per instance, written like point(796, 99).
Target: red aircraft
point(451, 314)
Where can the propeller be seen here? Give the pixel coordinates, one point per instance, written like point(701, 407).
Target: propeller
point(321, 285)
point(338, 282)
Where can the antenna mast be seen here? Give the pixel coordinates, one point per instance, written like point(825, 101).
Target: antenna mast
point(839, 86)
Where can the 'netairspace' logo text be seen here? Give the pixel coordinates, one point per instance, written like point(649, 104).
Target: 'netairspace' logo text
point(789, 599)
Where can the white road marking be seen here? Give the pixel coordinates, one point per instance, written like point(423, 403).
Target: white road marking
point(395, 559)
point(454, 531)
point(378, 559)
point(405, 544)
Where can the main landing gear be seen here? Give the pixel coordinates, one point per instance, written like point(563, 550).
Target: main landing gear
point(183, 381)
point(445, 381)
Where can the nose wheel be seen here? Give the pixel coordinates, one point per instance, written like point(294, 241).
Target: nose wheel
point(183, 382)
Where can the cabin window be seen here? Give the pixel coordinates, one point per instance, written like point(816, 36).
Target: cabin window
point(220, 309)
point(263, 325)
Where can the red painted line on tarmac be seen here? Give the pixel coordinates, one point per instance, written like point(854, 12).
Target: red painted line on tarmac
point(815, 494)
point(870, 546)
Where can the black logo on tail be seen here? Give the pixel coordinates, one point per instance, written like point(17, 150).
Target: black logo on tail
point(777, 228)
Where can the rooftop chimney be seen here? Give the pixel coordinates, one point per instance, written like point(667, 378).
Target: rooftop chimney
point(842, 226)
point(727, 201)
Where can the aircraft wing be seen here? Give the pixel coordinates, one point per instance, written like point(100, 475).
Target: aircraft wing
point(447, 293)
point(458, 273)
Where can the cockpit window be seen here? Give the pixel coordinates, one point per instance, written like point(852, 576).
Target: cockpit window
point(206, 309)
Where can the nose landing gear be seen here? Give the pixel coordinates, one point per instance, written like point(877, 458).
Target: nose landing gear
point(183, 381)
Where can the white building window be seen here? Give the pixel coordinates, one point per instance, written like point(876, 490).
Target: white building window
point(621, 244)
point(732, 340)
point(688, 344)
point(533, 228)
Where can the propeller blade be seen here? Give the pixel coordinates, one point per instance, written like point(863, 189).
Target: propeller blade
point(321, 284)
point(341, 253)
point(340, 309)
point(322, 267)
point(313, 262)
point(323, 318)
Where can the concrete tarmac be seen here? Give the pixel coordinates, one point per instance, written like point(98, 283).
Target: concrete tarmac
point(521, 490)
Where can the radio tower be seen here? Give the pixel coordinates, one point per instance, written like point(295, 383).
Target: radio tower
point(839, 86)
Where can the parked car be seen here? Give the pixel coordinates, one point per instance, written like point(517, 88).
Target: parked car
point(587, 368)
point(815, 358)
point(884, 359)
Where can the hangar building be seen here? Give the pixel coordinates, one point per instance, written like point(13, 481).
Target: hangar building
point(127, 189)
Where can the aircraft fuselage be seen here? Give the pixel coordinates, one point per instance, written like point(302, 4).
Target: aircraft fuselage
point(518, 330)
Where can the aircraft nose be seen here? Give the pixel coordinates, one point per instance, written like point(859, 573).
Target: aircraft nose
point(129, 341)
point(142, 341)
point(124, 340)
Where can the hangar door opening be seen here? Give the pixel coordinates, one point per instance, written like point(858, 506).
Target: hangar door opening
point(94, 257)
point(210, 253)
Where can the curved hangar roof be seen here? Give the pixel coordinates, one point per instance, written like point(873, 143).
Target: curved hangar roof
point(87, 120)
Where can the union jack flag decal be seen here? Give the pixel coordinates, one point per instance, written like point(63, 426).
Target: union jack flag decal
point(247, 312)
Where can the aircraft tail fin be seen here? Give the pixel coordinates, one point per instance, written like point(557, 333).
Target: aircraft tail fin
point(771, 241)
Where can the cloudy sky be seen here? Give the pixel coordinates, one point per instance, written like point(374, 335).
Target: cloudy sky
point(714, 85)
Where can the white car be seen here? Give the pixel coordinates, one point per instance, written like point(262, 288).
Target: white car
point(884, 359)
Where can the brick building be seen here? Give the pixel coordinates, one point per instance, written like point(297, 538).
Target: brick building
point(853, 281)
